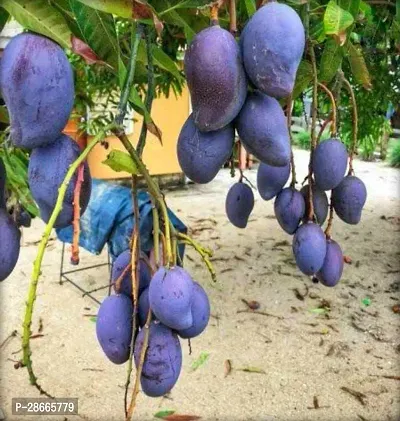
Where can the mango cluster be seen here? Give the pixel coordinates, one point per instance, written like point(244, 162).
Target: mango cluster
point(236, 87)
point(37, 84)
point(180, 308)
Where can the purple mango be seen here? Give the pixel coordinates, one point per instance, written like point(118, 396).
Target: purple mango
point(202, 154)
point(329, 163)
point(200, 313)
point(320, 202)
point(37, 83)
point(289, 207)
point(239, 204)
point(332, 269)
point(10, 237)
point(271, 180)
point(216, 78)
point(309, 248)
point(272, 44)
point(171, 295)
point(114, 327)
point(163, 361)
point(143, 307)
point(349, 198)
point(263, 131)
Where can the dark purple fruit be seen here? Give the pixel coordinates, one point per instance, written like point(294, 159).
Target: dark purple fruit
point(47, 169)
point(332, 269)
point(119, 266)
point(349, 198)
point(143, 308)
point(200, 312)
point(309, 248)
point(202, 154)
point(289, 207)
point(263, 131)
point(114, 327)
point(320, 202)
point(37, 83)
point(170, 296)
point(272, 46)
point(163, 361)
point(239, 204)
point(3, 176)
point(9, 244)
point(23, 218)
point(271, 180)
point(216, 78)
point(329, 163)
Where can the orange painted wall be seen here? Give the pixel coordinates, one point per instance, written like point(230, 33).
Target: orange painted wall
point(169, 114)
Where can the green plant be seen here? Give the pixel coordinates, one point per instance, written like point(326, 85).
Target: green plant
point(394, 153)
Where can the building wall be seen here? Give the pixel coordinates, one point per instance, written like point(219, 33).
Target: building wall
point(169, 114)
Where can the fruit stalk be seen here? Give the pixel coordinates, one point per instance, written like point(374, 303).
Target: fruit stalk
point(355, 124)
point(156, 236)
point(334, 112)
point(135, 40)
point(214, 14)
point(313, 127)
point(232, 17)
point(135, 391)
point(330, 219)
point(77, 216)
point(31, 298)
point(289, 109)
point(150, 89)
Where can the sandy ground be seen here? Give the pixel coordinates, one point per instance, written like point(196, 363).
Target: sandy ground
point(302, 353)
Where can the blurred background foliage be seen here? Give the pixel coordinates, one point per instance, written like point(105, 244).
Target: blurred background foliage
point(360, 38)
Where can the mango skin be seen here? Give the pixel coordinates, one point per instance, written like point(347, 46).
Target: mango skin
point(143, 307)
point(47, 168)
point(10, 237)
point(163, 361)
point(216, 78)
point(262, 129)
point(114, 327)
point(37, 84)
point(329, 163)
point(202, 154)
point(320, 202)
point(309, 248)
point(289, 207)
point(170, 296)
point(239, 204)
point(271, 180)
point(332, 269)
point(200, 313)
point(272, 46)
point(349, 198)
point(119, 265)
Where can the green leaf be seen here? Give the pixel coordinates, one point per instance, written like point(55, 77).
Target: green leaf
point(200, 361)
point(336, 19)
point(164, 413)
point(121, 8)
point(318, 310)
point(352, 6)
point(398, 11)
point(120, 161)
point(331, 59)
point(358, 65)
point(366, 9)
point(4, 118)
point(93, 319)
point(164, 61)
point(4, 15)
point(317, 32)
point(250, 7)
point(366, 301)
point(98, 31)
point(38, 16)
point(303, 78)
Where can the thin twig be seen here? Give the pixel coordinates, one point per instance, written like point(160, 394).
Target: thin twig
point(232, 17)
point(30, 301)
point(333, 111)
point(355, 124)
point(323, 127)
point(139, 370)
point(77, 215)
point(330, 220)
point(313, 133)
point(289, 109)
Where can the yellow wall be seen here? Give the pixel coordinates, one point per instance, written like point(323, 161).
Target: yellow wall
point(169, 114)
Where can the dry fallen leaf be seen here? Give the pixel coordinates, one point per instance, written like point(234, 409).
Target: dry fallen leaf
point(228, 367)
point(347, 259)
